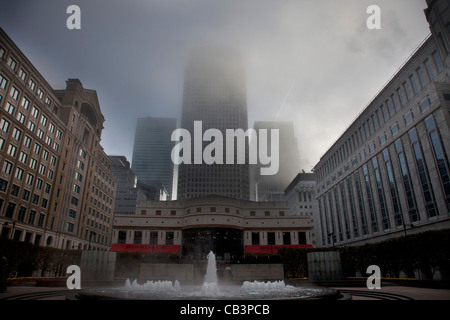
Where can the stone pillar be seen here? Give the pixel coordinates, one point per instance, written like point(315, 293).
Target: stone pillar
point(324, 265)
point(98, 265)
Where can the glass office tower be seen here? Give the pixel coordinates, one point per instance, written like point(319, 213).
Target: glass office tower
point(152, 151)
point(215, 94)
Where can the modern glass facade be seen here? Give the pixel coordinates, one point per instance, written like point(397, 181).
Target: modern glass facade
point(440, 155)
point(152, 151)
point(225, 242)
point(215, 94)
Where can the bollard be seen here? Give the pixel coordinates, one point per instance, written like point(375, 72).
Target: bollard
point(3, 273)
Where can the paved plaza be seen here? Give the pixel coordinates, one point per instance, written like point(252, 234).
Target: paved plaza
point(357, 293)
point(396, 293)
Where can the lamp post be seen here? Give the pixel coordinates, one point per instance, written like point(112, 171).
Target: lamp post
point(5, 224)
point(90, 236)
point(331, 234)
point(410, 225)
point(12, 231)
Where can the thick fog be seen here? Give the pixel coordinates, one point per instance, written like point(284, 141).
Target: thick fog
point(314, 63)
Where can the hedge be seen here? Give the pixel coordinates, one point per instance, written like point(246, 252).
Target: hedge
point(428, 251)
point(25, 258)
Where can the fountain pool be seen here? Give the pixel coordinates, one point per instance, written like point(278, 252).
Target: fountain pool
point(209, 290)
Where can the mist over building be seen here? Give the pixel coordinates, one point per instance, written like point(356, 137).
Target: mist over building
point(271, 187)
point(214, 93)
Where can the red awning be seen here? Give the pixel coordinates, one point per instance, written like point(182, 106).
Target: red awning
point(126, 247)
point(273, 249)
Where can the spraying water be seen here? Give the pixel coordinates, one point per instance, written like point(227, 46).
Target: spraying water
point(210, 289)
point(210, 284)
point(211, 269)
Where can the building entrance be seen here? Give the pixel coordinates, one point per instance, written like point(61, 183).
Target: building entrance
point(224, 242)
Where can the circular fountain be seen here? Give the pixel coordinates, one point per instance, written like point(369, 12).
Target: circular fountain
point(209, 290)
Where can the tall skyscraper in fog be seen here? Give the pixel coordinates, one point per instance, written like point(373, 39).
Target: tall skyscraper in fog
point(214, 93)
point(271, 187)
point(152, 151)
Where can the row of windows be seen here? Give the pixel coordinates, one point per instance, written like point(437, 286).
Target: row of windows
point(26, 78)
point(370, 200)
point(214, 209)
point(91, 236)
point(271, 239)
point(104, 176)
point(138, 235)
point(100, 205)
point(255, 237)
point(398, 99)
point(23, 99)
point(208, 178)
point(19, 173)
point(305, 196)
point(98, 215)
point(45, 131)
point(286, 237)
point(193, 195)
point(394, 129)
point(24, 214)
point(12, 149)
point(103, 185)
point(94, 237)
point(26, 194)
point(211, 190)
point(97, 225)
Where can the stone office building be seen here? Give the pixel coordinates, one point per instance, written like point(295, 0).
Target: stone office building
point(301, 199)
point(388, 174)
point(56, 185)
point(229, 227)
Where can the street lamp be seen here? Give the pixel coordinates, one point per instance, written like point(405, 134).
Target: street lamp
point(404, 225)
point(12, 230)
point(331, 234)
point(410, 225)
point(90, 236)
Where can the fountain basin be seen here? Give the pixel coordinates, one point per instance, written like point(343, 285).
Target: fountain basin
point(210, 290)
point(166, 290)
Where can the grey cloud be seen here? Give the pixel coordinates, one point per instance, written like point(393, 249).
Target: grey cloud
point(134, 53)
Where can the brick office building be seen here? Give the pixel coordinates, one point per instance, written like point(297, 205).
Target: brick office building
point(56, 187)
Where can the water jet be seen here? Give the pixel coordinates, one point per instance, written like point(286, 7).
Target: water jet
point(209, 290)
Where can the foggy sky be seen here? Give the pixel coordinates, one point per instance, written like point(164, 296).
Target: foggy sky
point(311, 62)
